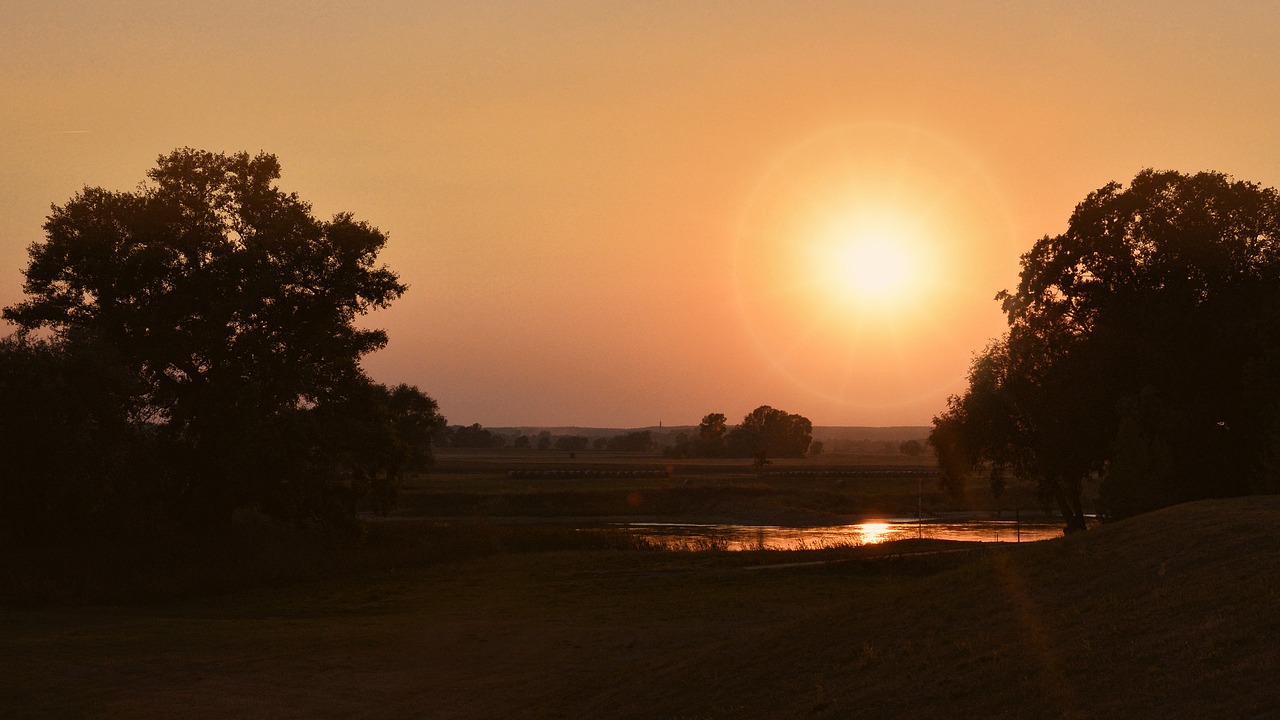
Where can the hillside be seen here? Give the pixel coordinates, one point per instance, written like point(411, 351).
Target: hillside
point(1172, 614)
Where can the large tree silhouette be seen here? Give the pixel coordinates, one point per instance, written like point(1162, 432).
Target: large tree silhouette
point(1143, 350)
point(232, 306)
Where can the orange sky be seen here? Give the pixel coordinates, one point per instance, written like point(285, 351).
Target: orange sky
point(607, 212)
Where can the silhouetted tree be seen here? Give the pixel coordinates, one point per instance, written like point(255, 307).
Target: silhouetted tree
point(572, 443)
point(370, 436)
point(911, 448)
point(1143, 349)
point(681, 446)
point(635, 441)
point(711, 435)
point(770, 433)
point(234, 310)
point(472, 436)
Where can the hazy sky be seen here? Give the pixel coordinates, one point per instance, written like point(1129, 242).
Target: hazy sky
point(615, 213)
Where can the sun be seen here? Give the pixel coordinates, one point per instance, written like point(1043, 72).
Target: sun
point(875, 268)
point(864, 264)
point(867, 268)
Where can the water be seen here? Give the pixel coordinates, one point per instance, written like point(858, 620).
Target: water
point(770, 537)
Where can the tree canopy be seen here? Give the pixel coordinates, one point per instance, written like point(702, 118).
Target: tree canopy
point(223, 291)
point(767, 432)
point(764, 433)
point(232, 310)
point(1143, 351)
point(711, 435)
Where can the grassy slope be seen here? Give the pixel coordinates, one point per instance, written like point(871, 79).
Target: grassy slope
point(1175, 614)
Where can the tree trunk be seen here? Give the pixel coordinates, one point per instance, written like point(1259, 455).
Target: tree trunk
point(1070, 507)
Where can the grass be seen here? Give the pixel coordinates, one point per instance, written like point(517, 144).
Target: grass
point(276, 557)
point(1173, 614)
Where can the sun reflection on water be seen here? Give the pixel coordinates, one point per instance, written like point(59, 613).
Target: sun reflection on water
point(764, 537)
point(873, 532)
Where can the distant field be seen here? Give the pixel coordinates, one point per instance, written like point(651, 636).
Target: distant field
point(828, 489)
point(897, 433)
point(1173, 614)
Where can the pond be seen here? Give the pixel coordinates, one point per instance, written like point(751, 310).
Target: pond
point(674, 536)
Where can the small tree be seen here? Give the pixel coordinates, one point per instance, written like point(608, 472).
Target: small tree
point(470, 436)
point(711, 435)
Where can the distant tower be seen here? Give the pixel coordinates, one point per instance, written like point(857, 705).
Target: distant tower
point(659, 426)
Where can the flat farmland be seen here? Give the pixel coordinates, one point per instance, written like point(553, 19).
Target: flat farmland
point(825, 490)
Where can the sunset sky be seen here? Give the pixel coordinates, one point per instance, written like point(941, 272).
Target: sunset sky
point(620, 213)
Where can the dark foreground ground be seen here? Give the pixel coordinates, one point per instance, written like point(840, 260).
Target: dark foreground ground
point(1175, 614)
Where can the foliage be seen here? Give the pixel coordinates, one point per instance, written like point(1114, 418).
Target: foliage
point(1143, 350)
point(711, 435)
point(572, 443)
point(767, 432)
point(374, 433)
point(71, 449)
point(231, 311)
point(470, 436)
point(764, 433)
point(635, 441)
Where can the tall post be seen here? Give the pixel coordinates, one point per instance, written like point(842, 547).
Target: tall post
point(919, 508)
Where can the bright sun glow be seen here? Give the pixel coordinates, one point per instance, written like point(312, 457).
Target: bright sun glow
point(875, 267)
point(862, 258)
point(862, 267)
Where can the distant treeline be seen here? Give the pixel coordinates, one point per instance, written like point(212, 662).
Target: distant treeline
point(477, 436)
point(677, 442)
point(763, 433)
